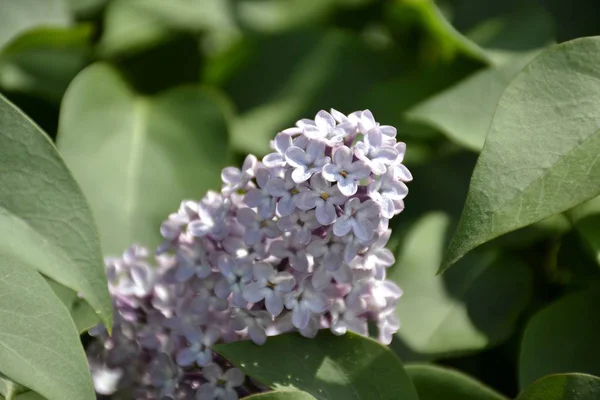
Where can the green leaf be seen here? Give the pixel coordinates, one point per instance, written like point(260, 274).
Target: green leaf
point(328, 366)
point(10, 389)
point(440, 39)
point(435, 383)
point(563, 387)
point(81, 313)
point(19, 16)
point(132, 25)
point(45, 221)
point(39, 345)
point(536, 161)
point(281, 395)
point(279, 15)
point(310, 70)
point(464, 111)
point(466, 309)
point(562, 338)
point(136, 157)
point(42, 61)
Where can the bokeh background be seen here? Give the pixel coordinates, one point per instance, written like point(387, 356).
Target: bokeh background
point(148, 99)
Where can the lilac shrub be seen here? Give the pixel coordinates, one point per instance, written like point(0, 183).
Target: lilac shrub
point(293, 243)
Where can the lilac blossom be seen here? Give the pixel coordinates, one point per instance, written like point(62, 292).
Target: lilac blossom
point(304, 302)
point(346, 172)
point(261, 197)
point(301, 225)
point(293, 243)
point(375, 153)
point(286, 190)
point(323, 197)
point(220, 385)
point(357, 218)
point(269, 286)
point(306, 162)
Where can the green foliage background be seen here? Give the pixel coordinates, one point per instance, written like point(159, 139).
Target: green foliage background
point(146, 101)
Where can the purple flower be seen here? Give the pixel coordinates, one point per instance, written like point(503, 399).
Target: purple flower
point(324, 128)
point(236, 274)
point(357, 218)
point(212, 212)
point(306, 163)
point(387, 190)
point(199, 351)
point(375, 153)
point(322, 275)
point(346, 315)
point(305, 301)
point(269, 286)
point(301, 224)
point(287, 191)
point(328, 250)
point(220, 385)
point(254, 322)
point(282, 141)
point(345, 172)
point(238, 179)
point(192, 261)
point(377, 258)
point(323, 197)
point(262, 197)
point(257, 228)
point(294, 251)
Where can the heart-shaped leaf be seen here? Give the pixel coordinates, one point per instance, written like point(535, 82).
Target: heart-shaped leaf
point(39, 345)
point(563, 387)
point(562, 338)
point(327, 367)
point(45, 222)
point(541, 153)
point(468, 308)
point(137, 157)
point(434, 383)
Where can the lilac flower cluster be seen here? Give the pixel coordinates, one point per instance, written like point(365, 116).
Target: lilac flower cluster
point(293, 243)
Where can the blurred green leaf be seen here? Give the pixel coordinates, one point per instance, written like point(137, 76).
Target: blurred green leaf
point(136, 157)
point(131, 25)
point(43, 61)
point(562, 338)
point(523, 178)
point(328, 366)
point(279, 15)
point(435, 383)
point(17, 17)
point(438, 38)
point(82, 314)
point(464, 111)
point(43, 210)
point(563, 387)
point(10, 389)
point(468, 308)
point(39, 345)
point(281, 395)
point(84, 9)
point(276, 80)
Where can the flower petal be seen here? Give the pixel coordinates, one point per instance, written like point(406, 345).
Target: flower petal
point(342, 226)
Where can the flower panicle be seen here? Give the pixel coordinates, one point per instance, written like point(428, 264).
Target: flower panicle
point(294, 242)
